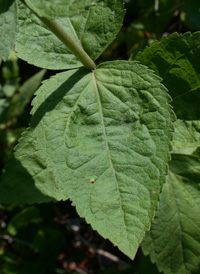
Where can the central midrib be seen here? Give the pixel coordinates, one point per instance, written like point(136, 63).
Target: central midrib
point(107, 146)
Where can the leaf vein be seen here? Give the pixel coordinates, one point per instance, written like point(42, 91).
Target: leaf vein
point(108, 150)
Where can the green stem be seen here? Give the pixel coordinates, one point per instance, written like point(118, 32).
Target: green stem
point(71, 44)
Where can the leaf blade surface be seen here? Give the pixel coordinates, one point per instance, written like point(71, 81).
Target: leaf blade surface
point(37, 45)
point(186, 136)
point(174, 59)
point(8, 20)
point(102, 139)
point(58, 8)
point(173, 241)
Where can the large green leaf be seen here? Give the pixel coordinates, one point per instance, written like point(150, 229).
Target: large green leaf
point(101, 139)
point(176, 60)
point(94, 29)
point(7, 27)
point(174, 239)
point(59, 8)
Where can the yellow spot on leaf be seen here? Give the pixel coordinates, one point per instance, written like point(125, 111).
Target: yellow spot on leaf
point(92, 180)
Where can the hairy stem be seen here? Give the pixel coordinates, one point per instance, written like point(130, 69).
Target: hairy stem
point(71, 44)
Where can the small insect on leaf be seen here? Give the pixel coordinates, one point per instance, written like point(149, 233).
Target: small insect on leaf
point(92, 180)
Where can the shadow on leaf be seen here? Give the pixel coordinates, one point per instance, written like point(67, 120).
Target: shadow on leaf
point(54, 98)
point(19, 186)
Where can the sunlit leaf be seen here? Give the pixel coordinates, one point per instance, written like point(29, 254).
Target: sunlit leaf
point(59, 8)
point(94, 29)
point(7, 27)
point(102, 139)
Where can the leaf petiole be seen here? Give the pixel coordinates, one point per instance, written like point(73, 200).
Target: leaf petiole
point(71, 44)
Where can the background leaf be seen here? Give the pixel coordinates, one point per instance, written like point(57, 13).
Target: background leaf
point(38, 46)
point(192, 9)
point(37, 238)
point(9, 84)
point(8, 23)
point(174, 239)
point(23, 218)
point(186, 136)
point(4, 106)
point(79, 145)
point(175, 59)
point(26, 91)
point(154, 16)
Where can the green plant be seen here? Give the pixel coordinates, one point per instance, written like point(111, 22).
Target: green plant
point(100, 135)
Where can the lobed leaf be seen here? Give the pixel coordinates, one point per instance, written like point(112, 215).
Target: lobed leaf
point(174, 239)
point(37, 45)
point(176, 60)
point(8, 20)
point(101, 139)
